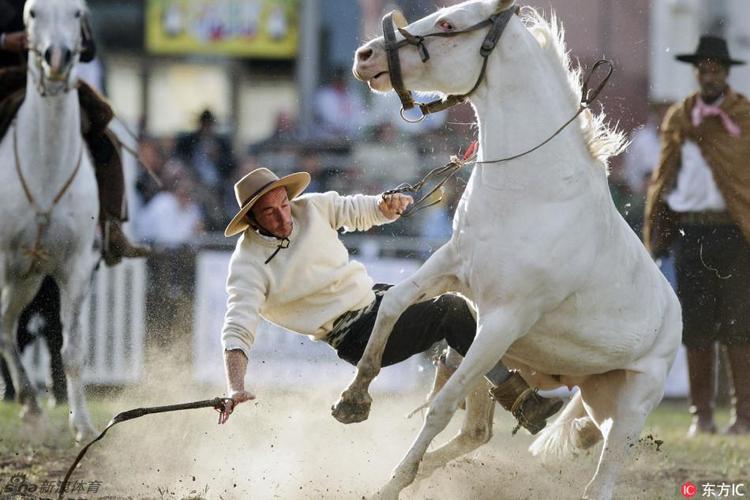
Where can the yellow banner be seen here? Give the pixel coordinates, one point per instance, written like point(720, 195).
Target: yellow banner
point(240, 28)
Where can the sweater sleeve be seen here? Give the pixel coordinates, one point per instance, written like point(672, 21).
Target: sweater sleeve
point(246, 290)
point(357, 212)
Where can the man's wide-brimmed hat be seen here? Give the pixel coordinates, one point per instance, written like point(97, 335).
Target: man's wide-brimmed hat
point(250, 188)
point(710, 47)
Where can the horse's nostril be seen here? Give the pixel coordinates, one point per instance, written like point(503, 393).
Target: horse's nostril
point(48, 55)
point(364, 54)
point(67, 55)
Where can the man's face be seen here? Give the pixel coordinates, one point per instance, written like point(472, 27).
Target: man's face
point(712, 78)
point(273, 212)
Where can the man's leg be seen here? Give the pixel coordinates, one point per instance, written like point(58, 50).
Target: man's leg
point(449, 317)
point(739, 363)
point(455, 322)
point(110, 179)
point(12, 93)
point(699, 320)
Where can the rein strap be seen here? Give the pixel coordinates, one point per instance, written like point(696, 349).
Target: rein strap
point(216, 403)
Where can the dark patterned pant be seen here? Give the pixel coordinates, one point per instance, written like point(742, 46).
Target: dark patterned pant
point(446, 317)
point(712, 264)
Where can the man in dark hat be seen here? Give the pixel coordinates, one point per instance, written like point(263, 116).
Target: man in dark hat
point(698, 207)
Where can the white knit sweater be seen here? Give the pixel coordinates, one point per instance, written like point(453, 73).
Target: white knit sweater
point(306, 286)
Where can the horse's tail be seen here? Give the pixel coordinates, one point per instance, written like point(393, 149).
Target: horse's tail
point(572, 431)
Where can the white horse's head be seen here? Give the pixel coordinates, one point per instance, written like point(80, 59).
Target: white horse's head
point(441, 72)
point(55, 40)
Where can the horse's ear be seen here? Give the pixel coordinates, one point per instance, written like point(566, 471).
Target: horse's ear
point(501, 5)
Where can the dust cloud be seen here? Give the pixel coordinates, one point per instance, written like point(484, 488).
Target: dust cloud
point(286, 445)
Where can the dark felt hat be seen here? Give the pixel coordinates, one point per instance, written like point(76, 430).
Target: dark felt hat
point(710, 47)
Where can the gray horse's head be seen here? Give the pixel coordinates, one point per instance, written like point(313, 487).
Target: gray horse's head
point(55, 39)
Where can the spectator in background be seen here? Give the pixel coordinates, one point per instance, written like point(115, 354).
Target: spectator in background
point(208, 156)
point(152, 157)
point(643, 152)
point(311, 163)
point(338, 110)
point(639, 161)
point(700, 196)
point(171, 219)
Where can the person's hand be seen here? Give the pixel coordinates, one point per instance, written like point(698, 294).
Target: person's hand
point(15, 42)
point(235, 398)
point(393, 205)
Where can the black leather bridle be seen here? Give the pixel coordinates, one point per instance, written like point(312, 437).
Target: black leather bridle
point(497, 24)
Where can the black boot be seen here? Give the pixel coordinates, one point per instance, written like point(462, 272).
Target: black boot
point(117, 246)
point(702, 376)
point(530, 409)
point(739, 363)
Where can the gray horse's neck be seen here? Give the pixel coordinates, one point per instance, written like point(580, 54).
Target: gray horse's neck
point(49, 139)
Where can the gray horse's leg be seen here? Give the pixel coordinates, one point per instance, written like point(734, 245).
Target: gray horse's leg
point(475, 431)
point(73, 290)
point(14, 297)
point(496, 332)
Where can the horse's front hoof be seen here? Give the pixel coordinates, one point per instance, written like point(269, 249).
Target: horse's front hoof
point(31, 412)
point(85, 434)
point(350, 408)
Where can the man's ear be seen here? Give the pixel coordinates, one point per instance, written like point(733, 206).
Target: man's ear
point(250, 218)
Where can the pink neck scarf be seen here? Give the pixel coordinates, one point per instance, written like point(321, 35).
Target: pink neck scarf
point(702, 110)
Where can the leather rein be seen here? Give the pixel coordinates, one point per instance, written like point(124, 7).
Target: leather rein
point(450, 169)
point(497, 24)
point(216, 403)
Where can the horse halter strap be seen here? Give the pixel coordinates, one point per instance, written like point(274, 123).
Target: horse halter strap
point(37, 253)
point(497, 23)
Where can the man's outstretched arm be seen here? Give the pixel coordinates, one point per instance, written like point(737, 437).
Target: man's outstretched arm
point(235, 366)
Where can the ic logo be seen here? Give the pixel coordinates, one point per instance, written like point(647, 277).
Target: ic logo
point(688, 489)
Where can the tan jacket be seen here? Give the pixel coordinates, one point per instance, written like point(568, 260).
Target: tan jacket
point(727, 156)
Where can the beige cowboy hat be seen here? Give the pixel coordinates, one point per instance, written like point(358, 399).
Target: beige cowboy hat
point(260, 181)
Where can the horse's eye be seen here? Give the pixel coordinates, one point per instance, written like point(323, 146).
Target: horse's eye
point(445, 25)
point(32, 13)
point(77, 14)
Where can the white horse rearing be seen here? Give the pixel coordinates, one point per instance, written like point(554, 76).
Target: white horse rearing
point(49, 198)
point(565, 291)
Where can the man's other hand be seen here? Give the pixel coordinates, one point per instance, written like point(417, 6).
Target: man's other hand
point(393, 205)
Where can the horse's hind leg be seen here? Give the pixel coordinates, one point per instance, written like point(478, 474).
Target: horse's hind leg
point(619, 402)
point(435, 277)
point(14, 297)
point(475, 431)
point(72, 295)
point(496, 332)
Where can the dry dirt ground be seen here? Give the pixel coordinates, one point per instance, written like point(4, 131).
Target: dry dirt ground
point(286, 445)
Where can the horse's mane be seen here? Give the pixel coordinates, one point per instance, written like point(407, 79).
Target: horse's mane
point(602, 139)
